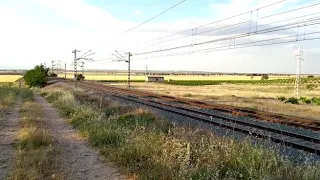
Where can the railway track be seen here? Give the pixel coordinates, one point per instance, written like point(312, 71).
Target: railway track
point(293, 139)
point(236, 111)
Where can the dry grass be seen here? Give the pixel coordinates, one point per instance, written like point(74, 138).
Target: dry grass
point(35, 156)
point(9, 78)
point(150, 148)
point(8, 94)
point(262, 97)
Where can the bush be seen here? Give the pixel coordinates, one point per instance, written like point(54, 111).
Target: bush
point(281, 98)
point(311, 87)
point(316, 100)
point(80, 77)
point(292, 100)
point(37, 77)
point(307, 101)
point(265, 77)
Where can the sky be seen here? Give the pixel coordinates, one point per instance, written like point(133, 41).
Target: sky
point(39, 31)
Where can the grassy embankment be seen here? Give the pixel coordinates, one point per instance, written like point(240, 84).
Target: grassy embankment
point(35, 154)
point(150, 148)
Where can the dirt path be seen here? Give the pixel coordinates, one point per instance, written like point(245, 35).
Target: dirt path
point(9, 128)
point(77, 159)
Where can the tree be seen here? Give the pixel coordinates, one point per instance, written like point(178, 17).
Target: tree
point(37, 77)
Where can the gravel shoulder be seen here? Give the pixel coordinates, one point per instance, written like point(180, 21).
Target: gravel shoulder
point(78, 160)
point(9, 129)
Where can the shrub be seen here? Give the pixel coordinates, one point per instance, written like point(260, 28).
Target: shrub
point(311, 87)
point(307, 101)
point(303, 98)
point(265, 77)
point(316, 100)
point(37, 77)
point(292, 100)
point(281, 98)
point(80, 77)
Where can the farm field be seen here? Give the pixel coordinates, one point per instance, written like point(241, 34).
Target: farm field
point(105, 76)
point(260, 97)
point(9, 78)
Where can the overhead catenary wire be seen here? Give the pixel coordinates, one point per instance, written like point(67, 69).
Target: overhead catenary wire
point(228, 47)
point(236, 46)
point(214, 22)
point(290, 11)
point(232, 25)
point(268, 30)
point(213, 30)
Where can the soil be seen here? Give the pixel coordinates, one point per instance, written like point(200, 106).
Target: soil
point(77, 159)
point(9, 129)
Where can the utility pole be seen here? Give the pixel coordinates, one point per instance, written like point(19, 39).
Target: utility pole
point(129, 70)
point(146, 71)
point(52, 65)
point(121, 58)
point(65, 70)
point(75, 64)
point(297, 84)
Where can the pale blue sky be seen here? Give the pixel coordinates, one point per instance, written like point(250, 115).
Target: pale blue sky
point(35, 31)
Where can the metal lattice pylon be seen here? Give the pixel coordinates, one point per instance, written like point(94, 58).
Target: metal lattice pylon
point(298, 80)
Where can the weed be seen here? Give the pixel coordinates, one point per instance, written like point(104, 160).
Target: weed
point(27, 94)
point(307, 101)
point(292, 100)
point(35, 164)
point(7, 95)
point(311, 87)
point(115, 109)
point(253, 108)
point(282, 98)
point(33, 138)
point(316, 100)
point(188, 95)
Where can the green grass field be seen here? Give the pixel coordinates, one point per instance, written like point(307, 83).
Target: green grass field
point(9, 78)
